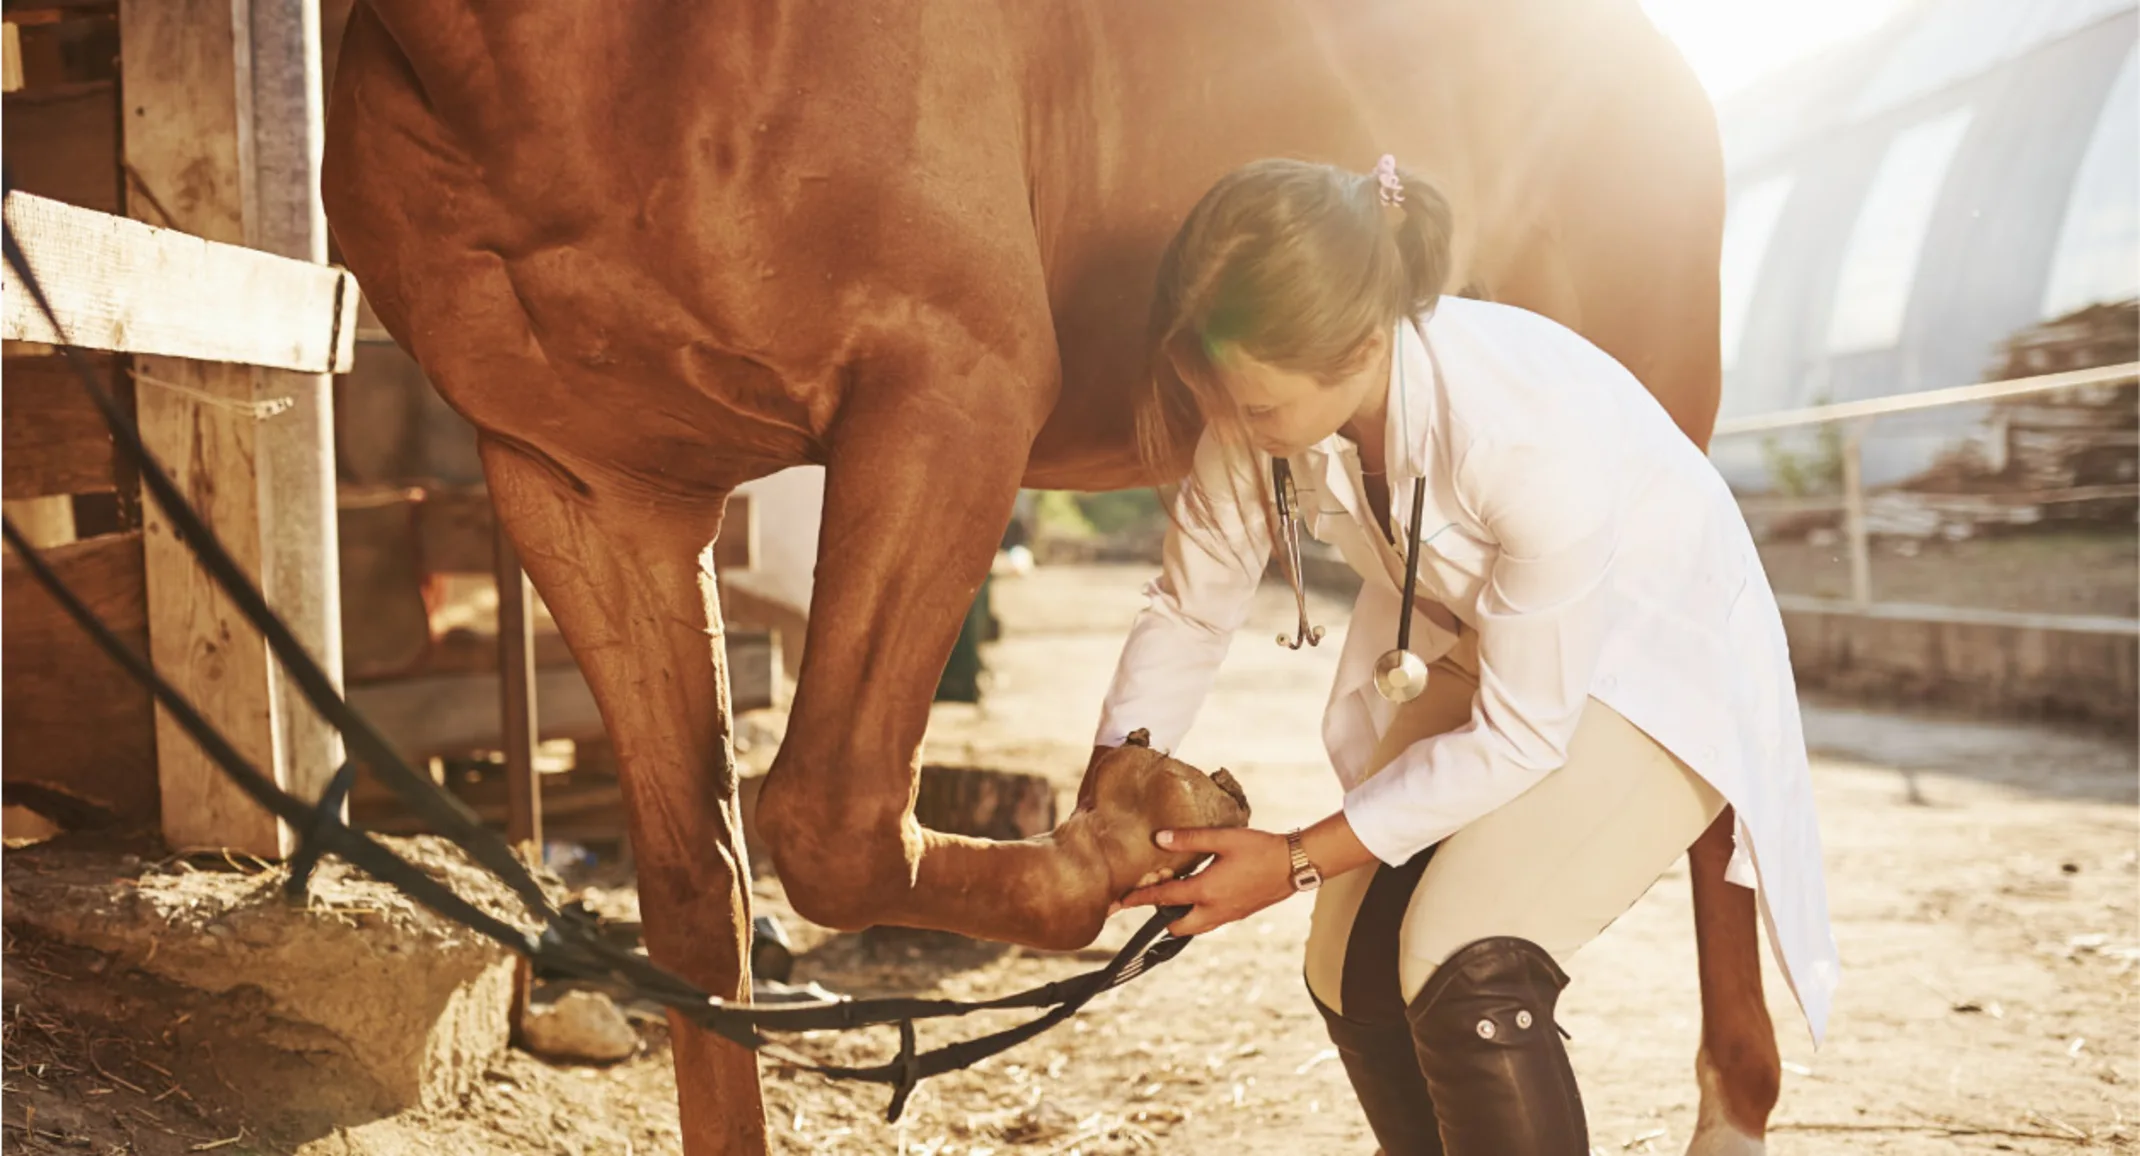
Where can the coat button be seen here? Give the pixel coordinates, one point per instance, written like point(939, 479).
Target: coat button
point(1523, 1019)
point(1486, 1029)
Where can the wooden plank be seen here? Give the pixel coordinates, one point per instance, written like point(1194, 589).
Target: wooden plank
point(132, 288)
point(195, 73)
point(283, 214)
point(43, 521)
point(456, 713)
point(10, 57)
point(52, 440)
point(197, 638)
point(516, 695)
point(64, 145)
point(455, 525)
point(378, 417)
point(386, 624)
point(1930, 399)
point(76, 725)
point(737, 546)
point(470, 652)
point(182, 62)
point(54, 11)
point(456, 529)
point(1854, 532)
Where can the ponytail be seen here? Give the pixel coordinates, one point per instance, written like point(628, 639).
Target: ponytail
point(1424, 237)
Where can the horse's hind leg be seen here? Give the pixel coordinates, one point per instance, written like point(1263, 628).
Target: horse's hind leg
point(629, 579)
point(1738, 1067)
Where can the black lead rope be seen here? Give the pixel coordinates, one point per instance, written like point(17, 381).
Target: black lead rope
point(568, 943)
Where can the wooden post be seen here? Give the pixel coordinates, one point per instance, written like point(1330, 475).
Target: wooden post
point(221, 125)
point(516, 692)
point(47, 520)
point(1854, 513)
point(286, 217)
point(516, 714)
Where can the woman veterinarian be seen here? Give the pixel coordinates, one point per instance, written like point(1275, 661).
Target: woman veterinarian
point(1594, 667)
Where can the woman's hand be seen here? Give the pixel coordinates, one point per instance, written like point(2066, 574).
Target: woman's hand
point(1251, 870)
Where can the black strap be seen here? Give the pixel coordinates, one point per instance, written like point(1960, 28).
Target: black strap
point(446, 814)
point(567, 942)
point(310, 846)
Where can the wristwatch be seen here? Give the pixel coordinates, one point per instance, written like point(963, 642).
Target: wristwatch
point(1305, 876)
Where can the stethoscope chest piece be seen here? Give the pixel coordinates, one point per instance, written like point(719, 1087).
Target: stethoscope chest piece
point(1400, 675)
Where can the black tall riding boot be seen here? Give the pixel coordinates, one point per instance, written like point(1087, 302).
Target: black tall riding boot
point(1372, 1036)
point(1490, 1050)
point(1381, 1062)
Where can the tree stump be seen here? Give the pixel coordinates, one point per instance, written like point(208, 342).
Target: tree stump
point(985, 804)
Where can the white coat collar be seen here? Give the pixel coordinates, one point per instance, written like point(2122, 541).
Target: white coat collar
point(1413, 388)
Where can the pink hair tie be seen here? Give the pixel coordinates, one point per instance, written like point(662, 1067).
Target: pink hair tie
point(1392, 191)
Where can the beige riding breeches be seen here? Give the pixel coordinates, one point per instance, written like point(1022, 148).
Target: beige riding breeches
point(1555, 865)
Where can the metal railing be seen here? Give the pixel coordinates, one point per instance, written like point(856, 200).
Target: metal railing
point(1856, 417)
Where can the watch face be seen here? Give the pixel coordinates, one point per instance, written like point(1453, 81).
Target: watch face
point(1306, 879)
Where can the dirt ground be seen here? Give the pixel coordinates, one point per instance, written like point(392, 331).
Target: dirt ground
point(1983, 880)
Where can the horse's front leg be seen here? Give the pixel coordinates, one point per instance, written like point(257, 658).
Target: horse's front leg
point(919, 486)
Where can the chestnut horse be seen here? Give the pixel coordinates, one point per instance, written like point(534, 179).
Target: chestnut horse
point(653, 250)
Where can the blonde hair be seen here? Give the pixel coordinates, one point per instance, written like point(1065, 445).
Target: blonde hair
point(1296, 264)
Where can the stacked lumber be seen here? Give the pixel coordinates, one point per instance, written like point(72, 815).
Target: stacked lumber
point(2069, 457)
point(2087, 437)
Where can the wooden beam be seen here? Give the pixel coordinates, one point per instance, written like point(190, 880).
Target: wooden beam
point(76, 725)
point(10, 57)
point(517, 702)
point(455, 528)
point(457, 713)
point(52, 440)
point(221, 131)
point(44, 522)
point(64, 144)
point(133, 288)
point(1929, 399)
point(386, 624)
point(737, 547)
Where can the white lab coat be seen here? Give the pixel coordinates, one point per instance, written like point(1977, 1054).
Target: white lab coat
point(1593, 548)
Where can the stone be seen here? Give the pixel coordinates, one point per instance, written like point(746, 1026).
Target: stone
point(579, 1026)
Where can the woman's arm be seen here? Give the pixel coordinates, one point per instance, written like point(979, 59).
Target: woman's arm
point(1207, 582)
point(1250, 870)
point(1551, 505)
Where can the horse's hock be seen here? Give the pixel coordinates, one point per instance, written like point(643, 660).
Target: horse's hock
point(410, 1008)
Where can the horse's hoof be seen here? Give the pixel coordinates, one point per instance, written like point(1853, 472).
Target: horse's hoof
point(1134, 791)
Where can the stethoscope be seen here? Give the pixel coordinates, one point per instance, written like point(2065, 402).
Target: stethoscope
point(1400, 675)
